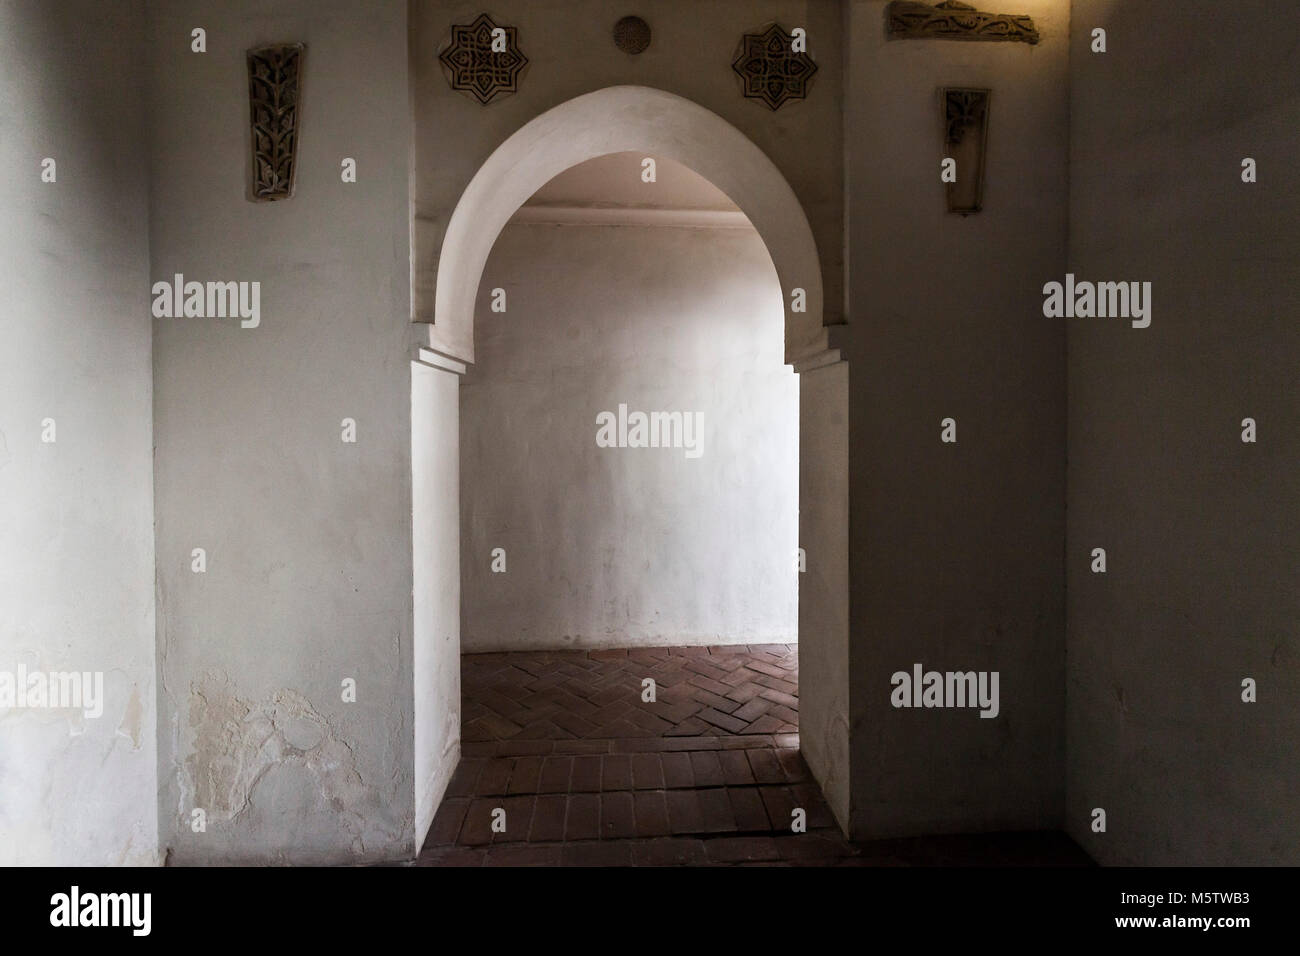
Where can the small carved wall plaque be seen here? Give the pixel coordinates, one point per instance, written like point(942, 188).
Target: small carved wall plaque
point(483, 60)
point(273, 90)
point(632, 35)
point(966, 123)
point(954, 20)
point(769, 68)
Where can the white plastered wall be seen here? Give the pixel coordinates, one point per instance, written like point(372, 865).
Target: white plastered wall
point(624, 547)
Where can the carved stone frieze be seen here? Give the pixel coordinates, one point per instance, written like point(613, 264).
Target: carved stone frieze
point(954, 20)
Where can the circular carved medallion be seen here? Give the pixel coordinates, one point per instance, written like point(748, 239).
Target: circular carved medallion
point(632, 35)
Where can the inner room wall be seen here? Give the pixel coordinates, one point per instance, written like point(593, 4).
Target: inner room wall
point(76, 457)
point(613, 547)
point(956, 549)
point(308, 578)
point(1200, 529)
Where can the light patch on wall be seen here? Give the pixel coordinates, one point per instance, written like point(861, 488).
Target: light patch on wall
point(131, 718)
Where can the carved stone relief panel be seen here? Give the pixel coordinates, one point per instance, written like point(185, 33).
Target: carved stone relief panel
point(770, 70)
point(274, 74)
point(483, 59)
point(965, 118)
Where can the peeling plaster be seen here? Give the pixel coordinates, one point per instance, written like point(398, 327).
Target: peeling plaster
point(279, 755)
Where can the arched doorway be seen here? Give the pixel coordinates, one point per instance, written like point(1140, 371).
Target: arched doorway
point(631, 119)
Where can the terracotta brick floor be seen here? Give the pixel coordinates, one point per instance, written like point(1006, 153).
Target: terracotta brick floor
point(598, 694)
point(584, 772)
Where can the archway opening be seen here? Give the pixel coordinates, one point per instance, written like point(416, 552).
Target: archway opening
point(641, 120)
point(595, 334)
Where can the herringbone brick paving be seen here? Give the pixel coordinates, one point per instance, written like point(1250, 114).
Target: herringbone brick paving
point(560, 747)
point(566, 695)
point(588, 771)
